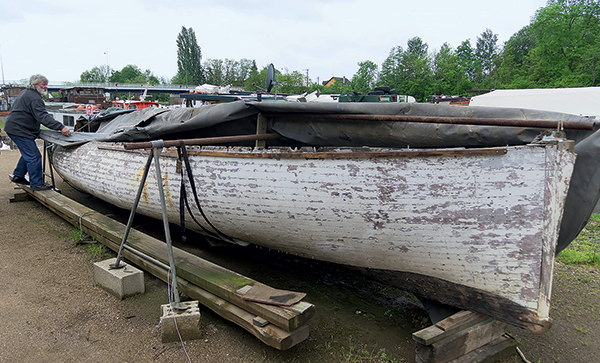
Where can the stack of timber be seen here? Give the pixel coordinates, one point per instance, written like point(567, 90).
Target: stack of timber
point(465, 337)
point(213, 286)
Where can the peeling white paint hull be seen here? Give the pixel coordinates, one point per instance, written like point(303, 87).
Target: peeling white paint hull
point(472, 228)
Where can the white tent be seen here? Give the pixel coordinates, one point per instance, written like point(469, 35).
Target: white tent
point(583, 101)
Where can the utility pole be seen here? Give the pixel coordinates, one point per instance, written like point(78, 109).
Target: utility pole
point(107, 67)
point(2, 66)
point(307, 85)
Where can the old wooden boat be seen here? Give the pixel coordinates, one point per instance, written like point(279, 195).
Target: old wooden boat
point(472, 227)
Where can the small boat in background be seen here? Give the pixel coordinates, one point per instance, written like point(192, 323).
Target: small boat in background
point(134, 104)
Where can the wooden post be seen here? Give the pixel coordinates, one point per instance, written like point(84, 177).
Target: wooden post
point(261, 128)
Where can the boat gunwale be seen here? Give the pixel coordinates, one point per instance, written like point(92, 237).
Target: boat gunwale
point(323, 153)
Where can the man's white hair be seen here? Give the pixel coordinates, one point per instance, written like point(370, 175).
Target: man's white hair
point(36, 79)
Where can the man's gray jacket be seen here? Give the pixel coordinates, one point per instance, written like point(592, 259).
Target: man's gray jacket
point(27, 113)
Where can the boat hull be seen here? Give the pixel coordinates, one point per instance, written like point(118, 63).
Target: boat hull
point(475, 228)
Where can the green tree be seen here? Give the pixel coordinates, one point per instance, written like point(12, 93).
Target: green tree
point(96, 75)
point(486, 51)
point(521, 43)
point(392, 69)
point(214, 72)
point(565, 30)
point(255, 77)
point(365, 78)
point(446, 72)
point(231, 72)
point(129, 74)
point(290, 82)
point(246, 67)
point(417, 74)
point(189, 59)
point(134, 75)
point(465, 56)
point(409, 72)
point(591, 64)
point(513, 71)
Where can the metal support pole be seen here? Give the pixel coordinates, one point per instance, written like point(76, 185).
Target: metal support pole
point(118, 264)
point(156, 148)
point(50, 166)
point(45, 152)
point(46, 159)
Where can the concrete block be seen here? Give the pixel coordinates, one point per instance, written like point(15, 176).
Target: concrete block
point(121, 282)
point(186, 322)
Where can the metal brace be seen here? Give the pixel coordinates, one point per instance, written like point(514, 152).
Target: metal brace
point(157, 146)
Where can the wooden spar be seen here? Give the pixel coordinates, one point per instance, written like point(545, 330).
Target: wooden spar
point(545, 124)
point(203, 141)
point(349, 155)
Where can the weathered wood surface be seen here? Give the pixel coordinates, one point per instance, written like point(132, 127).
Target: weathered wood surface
point(448, 326)
point(501, 348)
point(456, 337)
point(199, 272)
point(20, 197)
point(477, 220)
point(268, 333)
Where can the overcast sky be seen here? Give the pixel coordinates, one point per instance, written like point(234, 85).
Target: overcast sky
point(63, 38)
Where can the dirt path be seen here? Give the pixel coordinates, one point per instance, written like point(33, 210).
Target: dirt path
point(51, 310)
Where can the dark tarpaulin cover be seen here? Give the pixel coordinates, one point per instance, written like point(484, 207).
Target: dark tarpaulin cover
point(239, 117)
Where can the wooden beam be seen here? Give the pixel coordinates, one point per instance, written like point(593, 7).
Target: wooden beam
point(448, 326)
point(268, 333)
point(20, 197)
point(501, 348)
point(199, 272)
point(261, 128)
point(459, 336)
point(202, 141)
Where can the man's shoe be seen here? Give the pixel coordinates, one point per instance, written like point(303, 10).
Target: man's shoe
point(19, 180)
point(37, 188)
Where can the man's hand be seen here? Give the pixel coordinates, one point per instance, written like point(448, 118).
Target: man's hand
point(65, 131)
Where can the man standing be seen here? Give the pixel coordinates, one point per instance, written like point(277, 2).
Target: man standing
point(23, 127)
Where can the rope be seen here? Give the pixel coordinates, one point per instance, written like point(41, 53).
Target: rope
point(188, 168)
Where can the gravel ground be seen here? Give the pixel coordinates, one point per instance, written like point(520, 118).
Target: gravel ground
point(51, 310)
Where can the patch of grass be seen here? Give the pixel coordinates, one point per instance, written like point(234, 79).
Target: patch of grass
point(585, 249)
point(97, 251)
point(78, 236)
point(358, 353)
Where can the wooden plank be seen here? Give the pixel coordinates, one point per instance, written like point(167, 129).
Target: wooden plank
point(461, 343)
point(460, 321)
point(267, 333)
point(447, 327)
point(501, 348)
point(372, 153)
point(204, 274)
point(20, 197)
